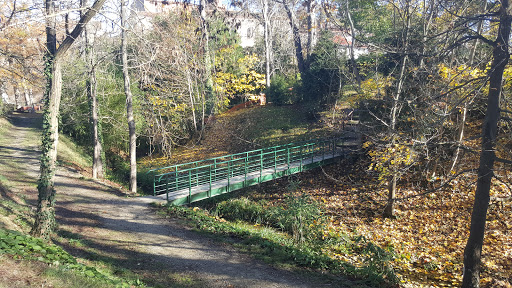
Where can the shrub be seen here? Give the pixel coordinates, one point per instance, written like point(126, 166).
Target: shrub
point(375, 270)
point(282, 90)
point(5, 108)
point(300, 216)
point(243, 209)
point(322, 81)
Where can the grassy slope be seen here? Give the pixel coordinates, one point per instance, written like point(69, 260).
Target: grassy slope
point(17, 215)
point(248, 129)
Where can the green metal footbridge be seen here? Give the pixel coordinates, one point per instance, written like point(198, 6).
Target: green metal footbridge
point(189, 182)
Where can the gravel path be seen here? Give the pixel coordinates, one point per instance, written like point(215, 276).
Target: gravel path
point(131, 234)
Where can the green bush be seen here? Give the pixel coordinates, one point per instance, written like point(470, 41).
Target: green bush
point(282, 90)
point(145, 181)
point(322, 81)
point(300, 215)
point(119, 168)
point(5, 108)
point(243, 209)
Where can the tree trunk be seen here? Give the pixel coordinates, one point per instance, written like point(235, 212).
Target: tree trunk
point(92, 87)
point(207, 57)
point(460, 137)
point(129, 98)
point(97, 164)
point(355, 70)
point(312, 22)
point(296, 37)
point(17, 96)
point(191, 95)
point(26, 94)
point(427, 16)
point(473, 251)
point(389, 211)
point(479, 31)
point(268, 41)
point(44, 222)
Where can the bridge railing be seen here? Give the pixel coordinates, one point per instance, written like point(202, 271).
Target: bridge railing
point(238, 167)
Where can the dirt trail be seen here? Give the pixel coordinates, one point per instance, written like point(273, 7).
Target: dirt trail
point(131, 234)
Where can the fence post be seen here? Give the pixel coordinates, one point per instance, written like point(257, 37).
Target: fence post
point(245, 168)
point(288, 157)
point(312, 152)
point(275, 160)
point(189, 186)
point(300, 155)
point(176, 184)
point(333, 147)
point(210, 181)
point(214, 170)
point(231, 161)
point(167, 187)
point(261, 165)
point(229, 171)
point(154, 184)
point(197, 175)
point(323, 150)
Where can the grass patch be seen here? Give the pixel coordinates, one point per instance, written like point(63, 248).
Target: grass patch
point(275, 125)
point(62, 265)
point(4, 125)
point(72, 154)
point(15, 214)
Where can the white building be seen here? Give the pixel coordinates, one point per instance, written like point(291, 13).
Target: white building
point(248, 28)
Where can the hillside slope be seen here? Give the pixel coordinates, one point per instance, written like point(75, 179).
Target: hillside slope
point(248, 129)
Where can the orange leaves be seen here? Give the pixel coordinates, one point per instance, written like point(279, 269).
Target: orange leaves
point(429, 234)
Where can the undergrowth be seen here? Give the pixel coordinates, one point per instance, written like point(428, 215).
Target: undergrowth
point(295, 234)
point(23, 247)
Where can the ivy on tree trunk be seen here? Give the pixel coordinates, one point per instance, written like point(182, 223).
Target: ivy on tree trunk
point(44, 222)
